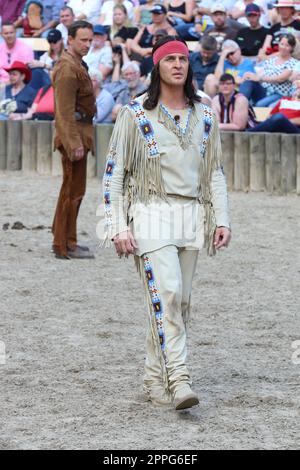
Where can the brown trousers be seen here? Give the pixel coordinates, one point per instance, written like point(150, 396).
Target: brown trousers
point(64, 226)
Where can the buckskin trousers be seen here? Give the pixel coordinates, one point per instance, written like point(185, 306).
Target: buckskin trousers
point(167, 273)
point(64, 226)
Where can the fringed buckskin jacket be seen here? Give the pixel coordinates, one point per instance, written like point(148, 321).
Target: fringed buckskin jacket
point(152, 160)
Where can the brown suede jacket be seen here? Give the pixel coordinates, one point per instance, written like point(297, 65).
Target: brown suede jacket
point(73, 91)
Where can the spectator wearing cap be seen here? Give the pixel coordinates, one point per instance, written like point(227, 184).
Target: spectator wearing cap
point(287, 24)
point(66, 19)
point(251, 39)
point(12, 50)
point(141, 45)
point(107, 9)
point(49, 59)
point(50, 16)
point(18, 89)
point(202, 20)
point(230, 61)
point(231, 107)
point(224, 27)
point(99, 56)
point(85, 9)
point(104, 99)
point(204, 62)
point(239, 11)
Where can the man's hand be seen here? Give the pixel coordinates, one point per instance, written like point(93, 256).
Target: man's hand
point(222, 237)
point(78, 153)
point(125, 244)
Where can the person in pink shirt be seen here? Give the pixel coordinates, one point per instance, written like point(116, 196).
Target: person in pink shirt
point(12, 49)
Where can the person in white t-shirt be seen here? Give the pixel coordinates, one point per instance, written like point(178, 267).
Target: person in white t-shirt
point(88, 10)
point(66, 19)
point(106, 14)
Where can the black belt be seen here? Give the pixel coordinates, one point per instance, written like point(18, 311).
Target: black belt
point(83, 118)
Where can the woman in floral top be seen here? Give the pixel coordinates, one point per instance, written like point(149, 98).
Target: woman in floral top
point(273, 81)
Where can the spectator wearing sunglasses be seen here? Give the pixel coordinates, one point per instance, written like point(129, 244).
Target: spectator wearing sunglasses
point(230, 61)
point(12, 50)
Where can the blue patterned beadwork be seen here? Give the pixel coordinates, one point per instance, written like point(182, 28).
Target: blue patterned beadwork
point(110, 165)
point(183, 131)
point(156, 301)
point(145, 128)
point(208, 122)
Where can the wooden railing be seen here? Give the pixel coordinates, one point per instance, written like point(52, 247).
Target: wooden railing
point(253, 162)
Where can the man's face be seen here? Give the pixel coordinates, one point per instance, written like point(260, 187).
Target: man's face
point(285, 12)
point(66, 18)
point(9, 35)
point(99, 40)
point(158, 18)
point(173, 69)
point(226, 88)
point(16, 77)
point(132, 77)
point(82, 41)
point(206, 55)
point(219, 18)
point(234, 57)
point(253, 19)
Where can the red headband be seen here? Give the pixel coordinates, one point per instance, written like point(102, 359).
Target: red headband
point(172, 47)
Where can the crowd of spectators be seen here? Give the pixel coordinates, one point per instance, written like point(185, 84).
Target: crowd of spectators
point(245, 55)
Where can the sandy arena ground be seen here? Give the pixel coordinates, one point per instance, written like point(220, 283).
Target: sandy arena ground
point(74, 334)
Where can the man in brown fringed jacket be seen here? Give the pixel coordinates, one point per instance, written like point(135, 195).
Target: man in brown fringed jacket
point(74, 111)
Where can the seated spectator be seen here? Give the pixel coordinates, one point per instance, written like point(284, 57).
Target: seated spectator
point(49, 59)
point(42, 109)
point(231, 107)
point(11, 10)
point(180, 11)
point(239, 11)
point(121, 26)
point(147, 64)
point(12, 50)
point(124, 88)
point(287, 24)
point(66, 19)
point(203, 21)
point(274, 81)
point(18, 89)
point(40, 25)
point(285, 116)
point(99, 56)
point(224, 27)
point(251, 39)
point(85, 9)
point(104, 99)
point(204, 62)
point(106, 13)
point(143, 15)
point(141, 45)
point(230, 61)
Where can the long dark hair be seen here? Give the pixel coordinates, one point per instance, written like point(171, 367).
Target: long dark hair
point(153, 91)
